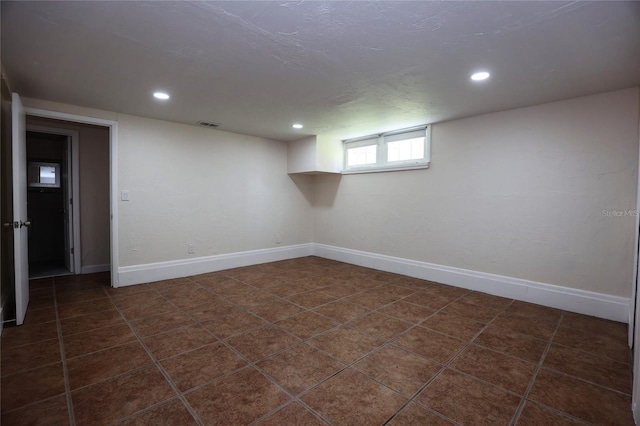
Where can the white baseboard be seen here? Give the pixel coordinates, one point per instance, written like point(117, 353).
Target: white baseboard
point(568, 299)
point(137, 274)
point(93, 269)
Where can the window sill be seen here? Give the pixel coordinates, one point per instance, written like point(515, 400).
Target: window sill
point(385, 169)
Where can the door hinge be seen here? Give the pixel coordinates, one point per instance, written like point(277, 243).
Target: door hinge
point(72, 250)
point(70, 200)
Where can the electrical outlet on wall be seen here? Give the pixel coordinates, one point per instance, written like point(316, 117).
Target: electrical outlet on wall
point(192, 248)
point(278, 240)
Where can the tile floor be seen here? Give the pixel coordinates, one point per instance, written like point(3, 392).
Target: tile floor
point(306, 341)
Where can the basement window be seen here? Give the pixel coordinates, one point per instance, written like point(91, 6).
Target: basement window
point(404, 149)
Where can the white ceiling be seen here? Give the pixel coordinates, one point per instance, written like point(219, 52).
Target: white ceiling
point(344, 69)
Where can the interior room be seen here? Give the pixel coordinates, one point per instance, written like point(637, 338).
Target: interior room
point(320, 212)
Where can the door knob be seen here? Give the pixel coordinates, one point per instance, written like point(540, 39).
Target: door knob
point(7, 225)
point(25, 223)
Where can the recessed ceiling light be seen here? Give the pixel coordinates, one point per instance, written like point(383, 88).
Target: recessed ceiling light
point(161, 95)
point(479, 76)
point(297, 126)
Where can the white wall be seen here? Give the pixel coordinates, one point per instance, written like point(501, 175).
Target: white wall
point(222, 191)
point(519, 193)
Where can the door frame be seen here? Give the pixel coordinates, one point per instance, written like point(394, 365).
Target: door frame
point(113, 173)
point(75, 184)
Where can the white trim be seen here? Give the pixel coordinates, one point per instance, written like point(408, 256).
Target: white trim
point(92, 269)
point(1, 320)
point(565, 298)
point(75, 182)
point(113, 172)
point(137, 274)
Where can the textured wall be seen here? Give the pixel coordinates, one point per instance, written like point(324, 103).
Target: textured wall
point(533, 193)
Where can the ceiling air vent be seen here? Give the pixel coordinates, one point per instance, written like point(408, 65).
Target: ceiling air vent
point(208, 124)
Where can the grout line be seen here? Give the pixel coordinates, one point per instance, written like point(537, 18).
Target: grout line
point(63, 356)
point(164, 373)
point(516, 416)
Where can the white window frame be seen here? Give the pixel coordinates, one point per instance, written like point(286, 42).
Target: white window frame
point(382, 165)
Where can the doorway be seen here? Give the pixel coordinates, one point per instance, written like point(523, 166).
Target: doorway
point(49, 201)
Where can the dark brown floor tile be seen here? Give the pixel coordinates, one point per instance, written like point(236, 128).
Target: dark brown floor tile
point(131, 300)
point(400, 370)
point(160, 323)
point(208, 311)
point(276, 311)
point(300, 368)
point(26, 334)
point(340, 290)
point(430, 344)
point(214, 281)
point(30, 356)
point(469, 401)
point(487, 300)
point(95, 367)
point(577, 398)
point(350, 398)
point(261, 342)
point(414, 415)
point(600, 344)
point(471, 311)
point(41, 302)
point(31, 386)
point(262, 281)
point(177, 341)
point(121, 396)
point(92, 341)
point(285, 289)
point(511, 342)
point(407, 311)
point(185, 289)
point(534, 312)
point(83, 308)
point(429, 300)
point(233, 288)
point(172, 412)
point(536, 415)
point(149, 308)
point(90, 322)
point(502, 370)
point(38, 316)
point(167, 285)
point(380, 325)
point(52, 412)
point(453, 325)
point(237, 399)
point(77, 286)
point(311, 299)
point(617, 330)
point(371, 300)
point(237, 322)
point(292, 414)
point(601, 371)
point(306, 324)
point(196, 297)
point(81, 296)
point(202, 365)
point(448, 291)
point(35, 293)
point(346, 344)
point(255, 297)
point(538, 329)
point(341, 311)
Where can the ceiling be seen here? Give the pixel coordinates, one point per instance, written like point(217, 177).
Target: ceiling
point(343, 69)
